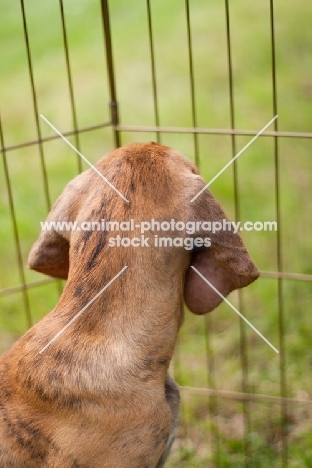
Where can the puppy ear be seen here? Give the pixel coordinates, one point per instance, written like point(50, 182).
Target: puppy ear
point(50, 253)
point(225, 264)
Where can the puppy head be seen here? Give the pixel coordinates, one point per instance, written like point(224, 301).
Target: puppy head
point(158, 182)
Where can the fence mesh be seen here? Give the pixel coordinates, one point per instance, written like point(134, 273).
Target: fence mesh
point(203, 77)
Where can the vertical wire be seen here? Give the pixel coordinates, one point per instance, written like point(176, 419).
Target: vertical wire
point(70, 84)
point(15, 231)
point(153, 68)
point(212, 400)
point(110, 70)
point(281, 323)
point(192, 80)
point(242, 327)
point(35, 107)
point(177, 375)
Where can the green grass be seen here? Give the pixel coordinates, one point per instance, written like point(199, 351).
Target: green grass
point(212, 431)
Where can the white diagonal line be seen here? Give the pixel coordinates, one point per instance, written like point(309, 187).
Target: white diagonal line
point(81, 311)
point(84, 158)
point(235, 310)
point(233, 159)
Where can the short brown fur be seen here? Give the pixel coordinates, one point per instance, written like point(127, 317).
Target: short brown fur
point(100, 396)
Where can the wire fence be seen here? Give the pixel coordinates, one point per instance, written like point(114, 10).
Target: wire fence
point(212, 394)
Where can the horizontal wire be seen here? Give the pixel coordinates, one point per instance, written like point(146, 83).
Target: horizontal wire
point(284, 275)
point(263, 274)
point(212, 131)
point(242, 396)
point(30, 285)
point(124, 128)
point(56, 137)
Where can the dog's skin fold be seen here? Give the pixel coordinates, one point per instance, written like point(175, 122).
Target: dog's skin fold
point(99, 396)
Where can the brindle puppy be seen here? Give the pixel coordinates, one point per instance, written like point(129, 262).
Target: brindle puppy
point(99, 396)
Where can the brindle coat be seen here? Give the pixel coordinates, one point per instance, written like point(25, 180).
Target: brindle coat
point(99, 396)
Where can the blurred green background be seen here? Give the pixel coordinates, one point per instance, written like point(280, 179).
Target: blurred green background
point(215, 351)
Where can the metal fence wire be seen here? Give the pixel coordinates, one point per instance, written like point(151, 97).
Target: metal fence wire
point(192, 74)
